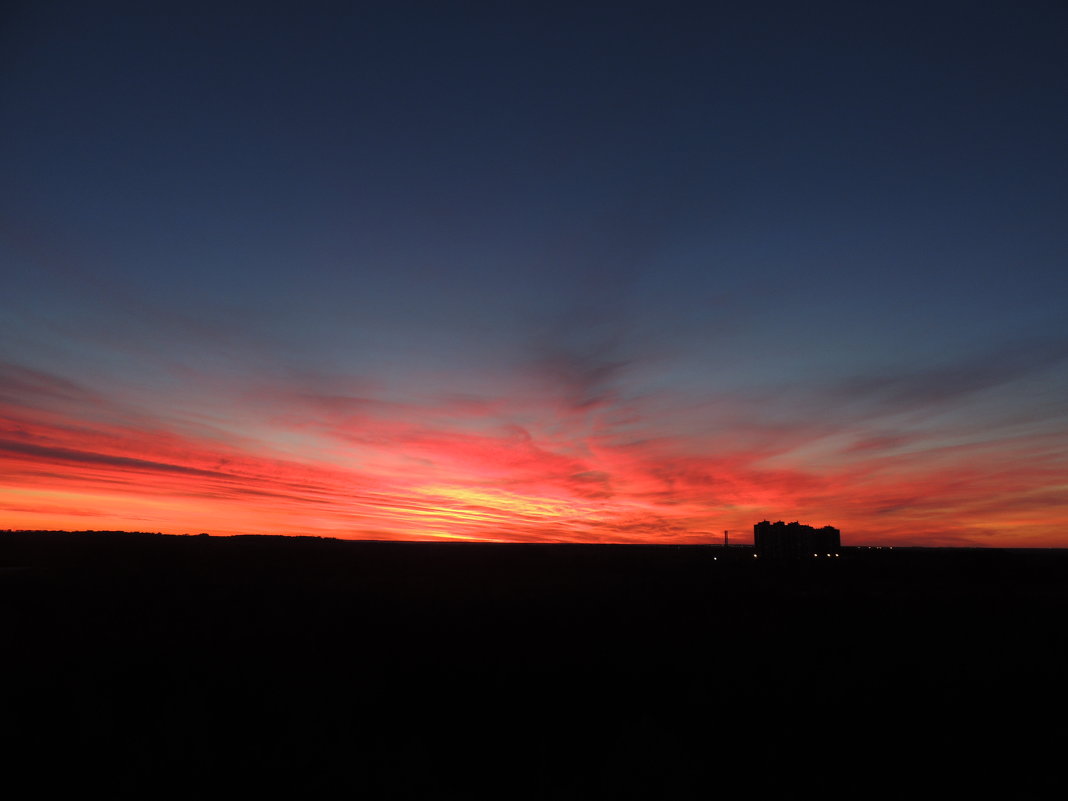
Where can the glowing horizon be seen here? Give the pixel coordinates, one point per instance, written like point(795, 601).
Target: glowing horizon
point(594, 470)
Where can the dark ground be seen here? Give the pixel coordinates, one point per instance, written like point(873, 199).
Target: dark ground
point(187, 665)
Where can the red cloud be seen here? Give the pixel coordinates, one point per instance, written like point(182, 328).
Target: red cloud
point(510, 468)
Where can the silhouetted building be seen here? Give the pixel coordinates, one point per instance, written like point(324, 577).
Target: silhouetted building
point(795, 541)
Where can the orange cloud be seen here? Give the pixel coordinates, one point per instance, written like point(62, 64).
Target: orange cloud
point(512, 468)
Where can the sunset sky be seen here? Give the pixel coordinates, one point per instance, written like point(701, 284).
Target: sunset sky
point(534, 271)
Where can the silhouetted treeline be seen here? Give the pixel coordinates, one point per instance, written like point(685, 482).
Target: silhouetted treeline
point(439, 670)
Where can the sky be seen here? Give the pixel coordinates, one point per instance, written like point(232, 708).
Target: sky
point(536, 272)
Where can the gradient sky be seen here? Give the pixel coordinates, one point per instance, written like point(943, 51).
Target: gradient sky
point(536, 272)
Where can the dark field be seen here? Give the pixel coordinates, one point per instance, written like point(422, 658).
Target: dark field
point(190, 665)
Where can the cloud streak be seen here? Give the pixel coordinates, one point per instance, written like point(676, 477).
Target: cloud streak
point(575, 460)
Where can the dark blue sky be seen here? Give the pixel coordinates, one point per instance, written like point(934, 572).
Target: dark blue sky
point(811, 212)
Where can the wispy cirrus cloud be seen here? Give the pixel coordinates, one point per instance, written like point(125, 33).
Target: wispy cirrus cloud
point(577, 460)
point(940, 384)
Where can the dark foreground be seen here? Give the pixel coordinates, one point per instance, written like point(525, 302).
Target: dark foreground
point(193, 665)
